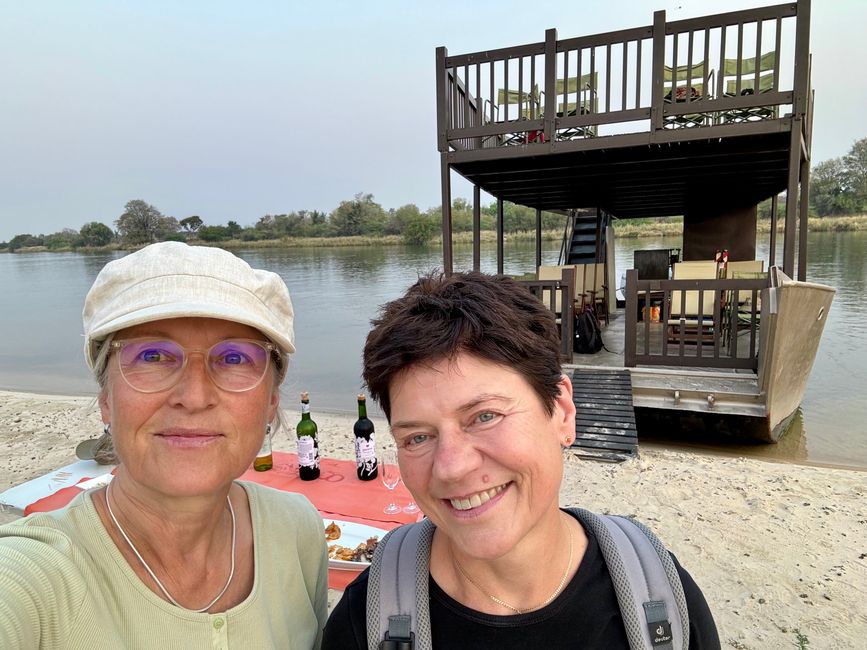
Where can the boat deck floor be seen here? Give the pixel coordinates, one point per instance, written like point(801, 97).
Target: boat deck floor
point(725, 391)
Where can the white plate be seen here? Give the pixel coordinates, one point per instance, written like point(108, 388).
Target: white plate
point(351, 535)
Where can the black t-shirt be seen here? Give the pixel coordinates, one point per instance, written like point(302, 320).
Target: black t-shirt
point(585, 615)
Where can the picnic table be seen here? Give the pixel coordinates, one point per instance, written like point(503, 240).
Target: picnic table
point(337, 494)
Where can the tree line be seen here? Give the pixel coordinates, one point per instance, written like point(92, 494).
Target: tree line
point(837, 187)
point(142, 223)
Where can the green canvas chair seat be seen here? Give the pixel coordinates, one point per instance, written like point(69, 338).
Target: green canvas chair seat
point(745, 83)
point(577, 96)
point(519, 105)
point(528, 104)
point(686, 81)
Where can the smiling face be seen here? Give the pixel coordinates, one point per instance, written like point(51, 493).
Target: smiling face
point(478, 451)
point(194, 437)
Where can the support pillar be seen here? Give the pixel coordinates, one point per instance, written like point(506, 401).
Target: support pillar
point(477, 228)
point(790, 229)
point(803, 226)
point(445, 174)
point(772, 253)
point(538, 238)
point(500, 220)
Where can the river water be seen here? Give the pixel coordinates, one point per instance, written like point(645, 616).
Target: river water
point(336, 291)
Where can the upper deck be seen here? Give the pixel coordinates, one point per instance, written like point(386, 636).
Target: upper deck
point(656, 120)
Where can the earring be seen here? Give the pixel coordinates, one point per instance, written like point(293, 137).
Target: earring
point(267, 429)
point(106, 429)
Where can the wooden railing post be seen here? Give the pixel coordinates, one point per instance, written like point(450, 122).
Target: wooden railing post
point(442, 101)
point(568, 278)
point(631, 318)
point(802, 58)
point(550, 83)
point(658, 64)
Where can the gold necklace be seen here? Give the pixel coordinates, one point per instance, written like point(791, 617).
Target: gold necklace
point(503, 603)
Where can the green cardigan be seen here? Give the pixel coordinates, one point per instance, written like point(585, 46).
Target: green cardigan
point(64, 584)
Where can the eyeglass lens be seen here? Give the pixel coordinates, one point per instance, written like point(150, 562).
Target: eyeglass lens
point(151, 365)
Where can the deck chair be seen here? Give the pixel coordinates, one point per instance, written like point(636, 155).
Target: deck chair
point(684, 307)
point(556, 273)
point(591, 280)
point(746, 270)
point(682, 83)
point(577, 96)
point(520, 105)
point(753, 79)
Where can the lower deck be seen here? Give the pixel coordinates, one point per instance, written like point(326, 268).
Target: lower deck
point(721, 391)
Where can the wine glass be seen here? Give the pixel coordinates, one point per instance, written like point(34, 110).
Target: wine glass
point(411, 508)
point(390, 473)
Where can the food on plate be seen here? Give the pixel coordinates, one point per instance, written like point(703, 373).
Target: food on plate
point(332, 532)
point(361, 553)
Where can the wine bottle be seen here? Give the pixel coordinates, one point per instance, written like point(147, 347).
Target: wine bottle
point(308, 442)
point(264, 460)
point(365, 444)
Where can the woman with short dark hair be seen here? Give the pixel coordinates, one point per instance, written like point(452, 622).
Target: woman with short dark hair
point(466, 368)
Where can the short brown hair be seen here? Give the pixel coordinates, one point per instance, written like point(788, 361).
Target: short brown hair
point(488, 316)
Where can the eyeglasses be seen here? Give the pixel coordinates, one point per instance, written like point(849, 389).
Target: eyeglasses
point(150, 365)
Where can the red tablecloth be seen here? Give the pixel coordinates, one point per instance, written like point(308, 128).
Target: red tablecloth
point(337, 494)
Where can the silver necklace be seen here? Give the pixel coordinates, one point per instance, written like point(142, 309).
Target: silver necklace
point(503, 603)
point(153, 575)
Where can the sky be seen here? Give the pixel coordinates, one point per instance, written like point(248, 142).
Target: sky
point(234, 110)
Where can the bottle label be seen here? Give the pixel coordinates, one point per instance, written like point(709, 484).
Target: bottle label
point(365, 453)
point(305, 408)
point(307, 452)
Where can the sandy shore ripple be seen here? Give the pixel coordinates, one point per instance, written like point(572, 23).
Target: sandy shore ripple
point(779, 550)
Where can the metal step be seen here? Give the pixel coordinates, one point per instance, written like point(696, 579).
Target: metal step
point(604, 417)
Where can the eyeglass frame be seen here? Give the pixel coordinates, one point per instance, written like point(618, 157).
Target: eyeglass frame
point(270, 348)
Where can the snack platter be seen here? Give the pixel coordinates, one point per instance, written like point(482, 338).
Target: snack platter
point(351, 536)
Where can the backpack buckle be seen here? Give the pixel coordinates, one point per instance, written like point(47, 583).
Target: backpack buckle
point(398, 643)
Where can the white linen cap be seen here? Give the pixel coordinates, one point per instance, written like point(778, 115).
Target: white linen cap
point(174, 280)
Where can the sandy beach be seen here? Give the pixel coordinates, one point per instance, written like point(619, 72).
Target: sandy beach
point(780, 550)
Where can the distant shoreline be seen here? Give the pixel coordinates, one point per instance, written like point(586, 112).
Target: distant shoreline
point(625, 229)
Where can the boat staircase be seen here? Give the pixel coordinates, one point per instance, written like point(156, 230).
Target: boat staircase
point(604, 416)
point(581, 245)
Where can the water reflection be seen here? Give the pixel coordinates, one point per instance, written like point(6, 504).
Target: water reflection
point(336, 291)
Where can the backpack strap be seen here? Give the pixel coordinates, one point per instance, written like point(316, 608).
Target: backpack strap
point(648, 587)
point(398, 606)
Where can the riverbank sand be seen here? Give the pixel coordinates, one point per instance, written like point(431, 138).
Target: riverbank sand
point(779, 550)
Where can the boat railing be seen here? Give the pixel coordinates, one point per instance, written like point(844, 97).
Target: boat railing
point(694, 323)
point(558, 296)
point(729, 72)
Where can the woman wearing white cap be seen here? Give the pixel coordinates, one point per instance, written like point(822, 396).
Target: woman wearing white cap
point(189, 347)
